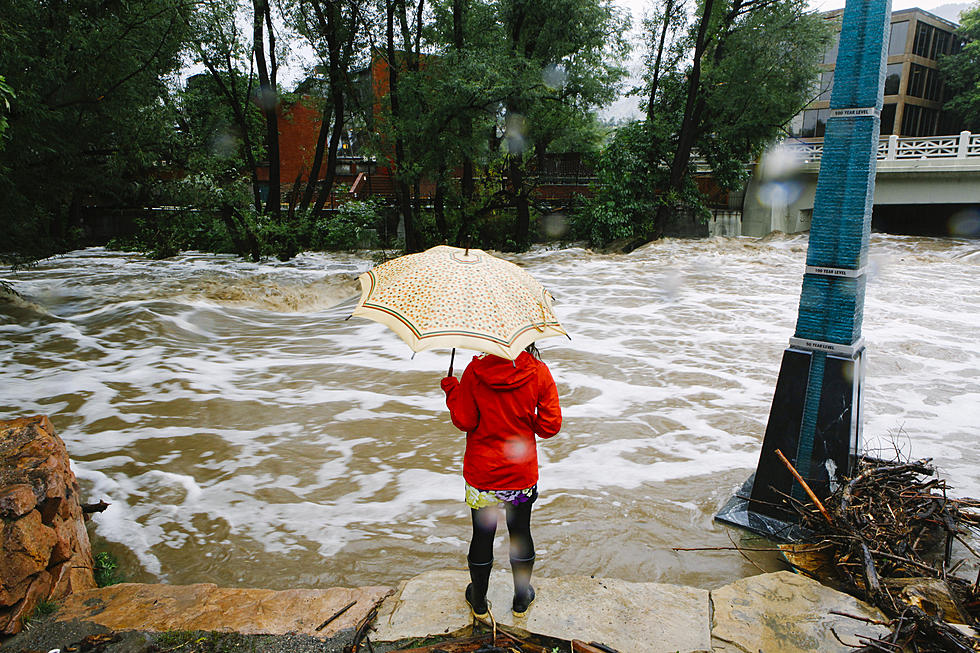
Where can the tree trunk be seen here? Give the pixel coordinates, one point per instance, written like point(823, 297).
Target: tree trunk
point(402, 191)
point(515, 174)
point(439, 202)
point(268, 100)
point(331, 25)
point(321, 142)
point(244, 238)
point(668, 7)
point(690, 126)
point(467, 185)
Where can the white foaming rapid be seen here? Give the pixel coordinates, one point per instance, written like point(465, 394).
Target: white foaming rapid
point(247, 434)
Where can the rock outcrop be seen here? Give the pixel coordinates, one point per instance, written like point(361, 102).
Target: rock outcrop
point(44, 548)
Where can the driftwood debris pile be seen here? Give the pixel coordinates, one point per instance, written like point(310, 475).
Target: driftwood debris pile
point(888, 537)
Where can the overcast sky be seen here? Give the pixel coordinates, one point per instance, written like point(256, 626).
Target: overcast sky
point(628, 106)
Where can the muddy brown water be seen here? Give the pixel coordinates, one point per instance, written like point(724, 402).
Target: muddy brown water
point(247, 435)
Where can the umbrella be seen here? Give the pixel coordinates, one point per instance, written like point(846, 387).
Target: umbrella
point(450, 297)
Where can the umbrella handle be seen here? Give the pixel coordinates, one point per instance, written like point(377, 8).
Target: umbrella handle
point(452, 358)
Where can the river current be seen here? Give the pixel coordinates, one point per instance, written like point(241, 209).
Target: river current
point(246, 434)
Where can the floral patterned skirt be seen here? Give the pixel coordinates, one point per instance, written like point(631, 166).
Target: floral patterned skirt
point(477, 499)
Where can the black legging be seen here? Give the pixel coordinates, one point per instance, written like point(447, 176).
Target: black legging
point(485, 527)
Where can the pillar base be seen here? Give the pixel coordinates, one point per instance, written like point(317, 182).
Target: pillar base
point(815, 422)
point(736, 512)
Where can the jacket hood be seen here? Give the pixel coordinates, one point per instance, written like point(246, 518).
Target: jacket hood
point(503, 374)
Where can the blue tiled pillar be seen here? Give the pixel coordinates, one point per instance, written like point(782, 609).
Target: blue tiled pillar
point(815, 415)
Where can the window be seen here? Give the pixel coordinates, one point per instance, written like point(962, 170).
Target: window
point(814, 123)
point(826, 85)
point(934, 86)
point(917, 80)
point(925, 83)
point(923, 34)
point(919, 121)
point(941, 43)
point(930, 42)
point(830, 54)
point(893, 78)
point(899, 34)
point(888, 119)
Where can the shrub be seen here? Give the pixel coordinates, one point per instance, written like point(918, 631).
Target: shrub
point(106, 569)
point(342, 229)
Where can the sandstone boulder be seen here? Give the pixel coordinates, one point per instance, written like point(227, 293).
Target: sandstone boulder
point(43, 542)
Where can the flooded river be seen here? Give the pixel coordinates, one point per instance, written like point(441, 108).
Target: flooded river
point(247, 435)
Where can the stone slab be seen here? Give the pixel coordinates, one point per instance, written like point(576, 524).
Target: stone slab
point(789, 613)
point(159, 608)
point(649, 617)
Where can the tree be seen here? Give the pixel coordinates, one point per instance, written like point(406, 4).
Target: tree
point(563, 57)
point(334, 32)
point(268, 97)
point(220, 45)
point(87, 124)
point(962, 71)
point(753, 66)
point(488, 85)
point(407, 59)
point(741, 71)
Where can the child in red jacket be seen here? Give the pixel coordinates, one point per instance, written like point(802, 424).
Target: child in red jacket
point(502, 405)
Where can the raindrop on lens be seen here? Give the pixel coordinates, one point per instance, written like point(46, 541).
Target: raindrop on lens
point(515, 449)
point(779, 193)
point(514, 133)
point(224, 145)
point(965, 223)
point(672, 284)
point(554, 225)
point(778, 163)
point(554, 76)
point(777, 170)
point(267, 99)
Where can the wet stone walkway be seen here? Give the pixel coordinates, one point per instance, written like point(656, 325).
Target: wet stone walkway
point(771, 612)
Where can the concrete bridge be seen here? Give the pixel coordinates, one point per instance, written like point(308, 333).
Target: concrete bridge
point(926, 185)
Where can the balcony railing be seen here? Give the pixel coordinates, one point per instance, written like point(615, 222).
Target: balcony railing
point(892, 148)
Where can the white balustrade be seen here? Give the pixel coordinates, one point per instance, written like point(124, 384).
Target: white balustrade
point(892, 148)
point(970, 143)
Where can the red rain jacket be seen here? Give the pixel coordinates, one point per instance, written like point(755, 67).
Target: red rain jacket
point(501, 405)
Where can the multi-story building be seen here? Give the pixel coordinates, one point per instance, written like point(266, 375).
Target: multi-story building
point(914, 88)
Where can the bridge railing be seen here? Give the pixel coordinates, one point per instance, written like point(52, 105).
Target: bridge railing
point(892, 148)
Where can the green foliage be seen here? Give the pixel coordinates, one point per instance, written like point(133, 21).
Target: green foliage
point(87, 125)
point(757, 71)
point(758, 76)
point(164, 233)
point(626, 196)
point(343, 229)
point(197, 641)
point(527, 81)
point(210, 138)
point(962, 71)
point(45, 607)
point(106, 569)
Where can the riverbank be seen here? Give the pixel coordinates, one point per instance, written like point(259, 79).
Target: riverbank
point(779, 611)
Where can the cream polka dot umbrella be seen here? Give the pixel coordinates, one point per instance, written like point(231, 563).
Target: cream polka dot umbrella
point(451, 297)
